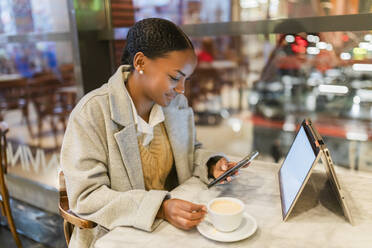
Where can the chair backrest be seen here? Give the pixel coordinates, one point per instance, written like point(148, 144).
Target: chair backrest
point(43, 91)
point(64, 208)
point(3, 145)
point(3, 167)
point(14, 94)
point(67, 73)
point(205, 80)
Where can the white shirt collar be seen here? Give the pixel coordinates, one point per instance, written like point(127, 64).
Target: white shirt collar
point(144, 129)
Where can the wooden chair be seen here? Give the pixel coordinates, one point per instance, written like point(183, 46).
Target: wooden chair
point(205, 80)
point(4, 200)
point(14, 96)
point(67, 74)
point(49, 102)
point(70, 220)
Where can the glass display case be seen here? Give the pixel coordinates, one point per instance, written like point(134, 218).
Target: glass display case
point(262, 77)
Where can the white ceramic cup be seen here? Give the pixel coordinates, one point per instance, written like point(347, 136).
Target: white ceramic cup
point(225, 222)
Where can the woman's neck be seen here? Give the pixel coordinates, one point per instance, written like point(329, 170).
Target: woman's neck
point(142, 103)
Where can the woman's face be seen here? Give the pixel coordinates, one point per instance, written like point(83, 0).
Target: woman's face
point(164, 77)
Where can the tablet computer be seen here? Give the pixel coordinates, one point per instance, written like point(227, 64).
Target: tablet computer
point(306, 150)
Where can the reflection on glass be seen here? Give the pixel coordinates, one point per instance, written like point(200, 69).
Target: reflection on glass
point(37, 86)
point(275, 80)
point(203, 11)
point(37, 93)
point(33, 16)
point(186, 11)
point(267, 9)
point(28, 59)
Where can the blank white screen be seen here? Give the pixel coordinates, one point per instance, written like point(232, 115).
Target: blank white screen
point(295, 167)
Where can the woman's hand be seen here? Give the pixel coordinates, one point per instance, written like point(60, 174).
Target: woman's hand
point(182, 214)
point(222, 166)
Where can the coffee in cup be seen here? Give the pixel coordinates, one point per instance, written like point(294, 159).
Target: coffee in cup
point(225, 213)
point(225, 207)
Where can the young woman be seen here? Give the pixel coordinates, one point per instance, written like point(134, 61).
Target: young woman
point(131, 141)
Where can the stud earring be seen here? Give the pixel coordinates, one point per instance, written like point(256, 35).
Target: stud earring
point(141, 72)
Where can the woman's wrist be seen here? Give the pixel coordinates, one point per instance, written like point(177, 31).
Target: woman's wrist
point(161, 212)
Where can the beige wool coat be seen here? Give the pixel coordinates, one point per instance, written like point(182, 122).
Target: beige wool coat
point(102, 166)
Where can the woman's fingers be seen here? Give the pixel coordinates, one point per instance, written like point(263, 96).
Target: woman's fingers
point(225, 166)
point(192, 216)
point(204, 208)
point(184, 214)
point(248, 164)
point(190, 207)
point(186, 223)
point(229, 165)
point(222, 166)
point(229, 178)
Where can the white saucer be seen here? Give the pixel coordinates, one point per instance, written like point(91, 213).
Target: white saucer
point(246, 229)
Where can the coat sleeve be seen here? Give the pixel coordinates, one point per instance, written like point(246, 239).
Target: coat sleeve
point(84, 163)
point(201, 158)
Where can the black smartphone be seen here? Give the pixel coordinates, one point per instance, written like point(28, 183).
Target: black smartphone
point(230, 171)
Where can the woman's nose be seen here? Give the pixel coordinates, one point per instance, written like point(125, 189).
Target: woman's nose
point(180, 88)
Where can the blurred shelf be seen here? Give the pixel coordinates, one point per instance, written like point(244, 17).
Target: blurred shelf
point(341, 128)
point(357, 22)
point(35, 37)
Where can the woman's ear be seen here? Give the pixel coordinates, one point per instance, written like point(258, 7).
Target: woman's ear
point(139, 61)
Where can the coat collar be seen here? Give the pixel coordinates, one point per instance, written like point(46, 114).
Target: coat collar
point(120, 105)
point(126, 137)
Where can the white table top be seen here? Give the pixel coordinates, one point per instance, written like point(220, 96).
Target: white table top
point(317, 219)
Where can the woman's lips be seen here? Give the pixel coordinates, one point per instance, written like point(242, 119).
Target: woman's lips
point(169, 97)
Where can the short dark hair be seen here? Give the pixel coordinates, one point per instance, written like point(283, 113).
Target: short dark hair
point(154, 37)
